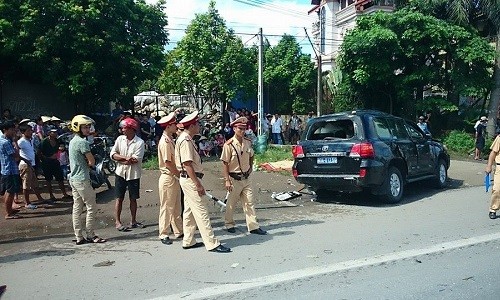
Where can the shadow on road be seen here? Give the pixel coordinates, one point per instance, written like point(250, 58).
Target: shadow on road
point(35, 254)
point(243, 238)
point(413, 192)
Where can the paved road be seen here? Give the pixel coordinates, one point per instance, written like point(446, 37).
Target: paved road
point(310, 243)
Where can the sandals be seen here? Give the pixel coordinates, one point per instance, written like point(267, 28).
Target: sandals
point(12, 217)
point(138, 225)
point(96, 240)
point(122, 228)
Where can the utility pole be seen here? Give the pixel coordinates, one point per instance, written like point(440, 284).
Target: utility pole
point(260, 95)
point(320, 73)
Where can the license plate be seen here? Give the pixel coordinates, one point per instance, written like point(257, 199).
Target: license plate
point(326, 160)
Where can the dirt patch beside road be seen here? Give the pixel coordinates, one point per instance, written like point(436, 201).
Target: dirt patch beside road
point(48, 221)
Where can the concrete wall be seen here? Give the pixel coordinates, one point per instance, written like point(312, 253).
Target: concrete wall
point(28, 100)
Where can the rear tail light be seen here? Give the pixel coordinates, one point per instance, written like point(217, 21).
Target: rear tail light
point(362, 173)
point(298, 151)
point(362, 150)
point(295, 173)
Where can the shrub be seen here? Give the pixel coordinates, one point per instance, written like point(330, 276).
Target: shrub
point(151, 163)
point(460, 142)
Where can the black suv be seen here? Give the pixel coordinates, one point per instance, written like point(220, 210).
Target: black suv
point(367, 150)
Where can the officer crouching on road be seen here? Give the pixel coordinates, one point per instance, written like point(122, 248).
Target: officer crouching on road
point(188, 162)
point(237, 158)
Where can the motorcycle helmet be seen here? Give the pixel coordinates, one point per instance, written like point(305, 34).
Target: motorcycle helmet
point(129, 123)
point(80, 120)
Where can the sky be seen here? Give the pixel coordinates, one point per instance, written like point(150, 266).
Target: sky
point(245, 17)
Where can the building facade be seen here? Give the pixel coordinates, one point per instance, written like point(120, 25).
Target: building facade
point(335, 19)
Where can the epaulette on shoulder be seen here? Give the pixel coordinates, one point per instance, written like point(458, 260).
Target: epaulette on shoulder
point(228, 142)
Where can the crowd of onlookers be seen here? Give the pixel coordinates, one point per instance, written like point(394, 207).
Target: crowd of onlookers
point(216, 132)
point(40, 151)
point(43, 151)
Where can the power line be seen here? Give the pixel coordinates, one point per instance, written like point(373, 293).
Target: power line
point(270, 35)
point(250, 39)
point(237, 24)
point(273, 7)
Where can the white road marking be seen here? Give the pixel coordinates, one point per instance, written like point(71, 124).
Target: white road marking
point(214, 291)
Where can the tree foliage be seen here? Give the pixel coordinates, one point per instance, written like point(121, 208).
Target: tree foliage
point(210, 62)
point(290, 76)
point(392, 57)
point(93, 51)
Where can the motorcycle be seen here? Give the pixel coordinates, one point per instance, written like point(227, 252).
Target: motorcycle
point(97, 175)
point(102, 147)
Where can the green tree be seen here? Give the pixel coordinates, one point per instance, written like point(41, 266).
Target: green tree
point(483, 15)
point(393, 57)
point(210, 63)
point(290, 76)
point(92, 51)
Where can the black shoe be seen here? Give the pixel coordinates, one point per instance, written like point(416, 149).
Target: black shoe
point(80, 242)
point(221, 249)
point(231, 230)
point(197, 245)
point(258, 231)
point(166, 241)
point(180, 237)
point(493, 215)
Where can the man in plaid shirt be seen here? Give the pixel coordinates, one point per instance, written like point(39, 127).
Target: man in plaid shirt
point(9, 158)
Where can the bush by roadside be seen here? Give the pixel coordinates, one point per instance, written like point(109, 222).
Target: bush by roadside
point(461, 144)
point(274, 153)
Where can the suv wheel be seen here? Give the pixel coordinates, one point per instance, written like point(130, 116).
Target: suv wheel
point(441, 175)
point(394, 186)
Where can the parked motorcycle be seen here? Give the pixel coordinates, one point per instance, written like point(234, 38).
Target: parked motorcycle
point(102, 147)
point(97, 175)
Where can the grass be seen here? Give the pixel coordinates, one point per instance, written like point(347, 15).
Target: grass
point(274, 153)
point(151, 163)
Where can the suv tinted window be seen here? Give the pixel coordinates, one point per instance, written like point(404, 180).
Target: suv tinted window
point(414, 132)
point(334, 129)
point(382, 129)
point(398, 128)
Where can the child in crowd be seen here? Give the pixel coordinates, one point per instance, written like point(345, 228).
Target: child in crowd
point(205, 146)
point(219, 142)
point(62, 156)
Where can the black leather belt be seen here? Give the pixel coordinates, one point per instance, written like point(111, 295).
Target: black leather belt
point(238, 176)
point(185, 175)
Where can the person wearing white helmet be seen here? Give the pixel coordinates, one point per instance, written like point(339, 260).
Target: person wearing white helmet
point(81, 159)
point(128, 152)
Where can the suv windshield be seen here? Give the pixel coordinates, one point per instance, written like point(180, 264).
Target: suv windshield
point(332, 129)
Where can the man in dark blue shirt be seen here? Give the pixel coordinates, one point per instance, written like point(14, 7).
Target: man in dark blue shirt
point(480, 130)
